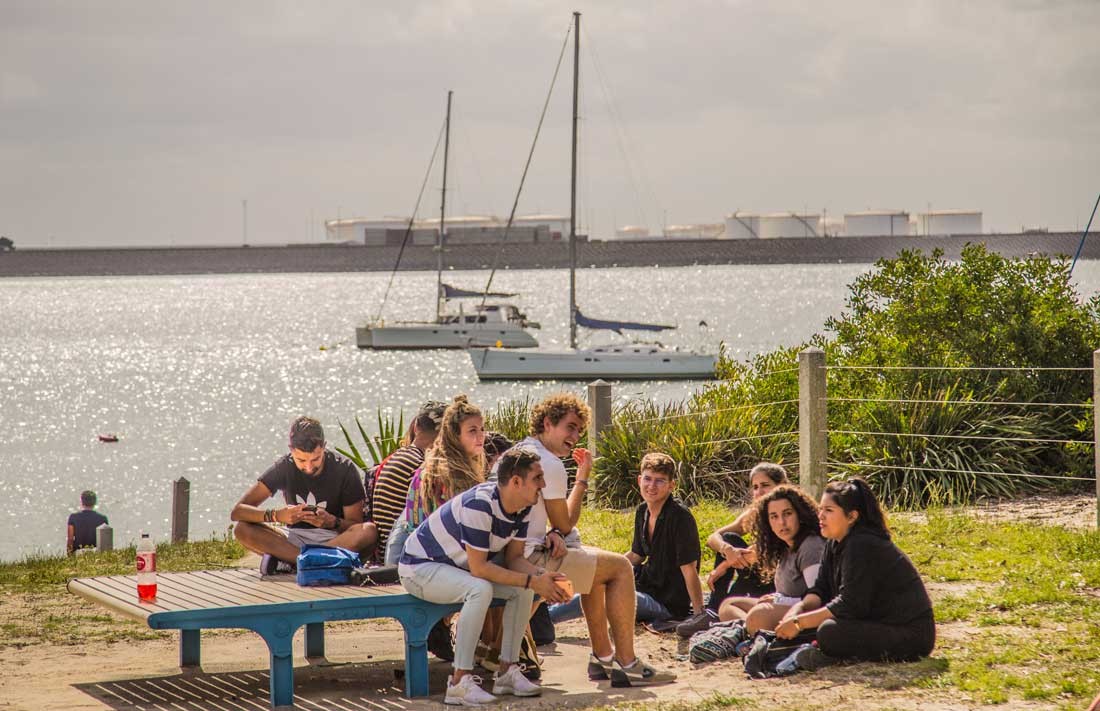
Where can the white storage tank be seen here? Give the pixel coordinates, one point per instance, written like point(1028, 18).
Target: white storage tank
point(742, 225)
point(632, 232)
point(363, 230)
point(789, 224)
point(876, 223)
point(698, 231)
point(950, 222)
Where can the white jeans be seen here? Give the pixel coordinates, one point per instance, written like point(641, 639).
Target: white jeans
point(436, 582)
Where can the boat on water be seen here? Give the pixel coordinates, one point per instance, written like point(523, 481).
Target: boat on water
point(495, 323)
point(625, 362)
point(499, 325)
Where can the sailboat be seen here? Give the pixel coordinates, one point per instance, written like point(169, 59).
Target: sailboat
point(635, 361)
point(497, 324)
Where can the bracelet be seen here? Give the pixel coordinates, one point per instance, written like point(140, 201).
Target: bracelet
point(269, 516)
point(336, 523)
point(797, 624)
point(583, 482)
point(527, 584)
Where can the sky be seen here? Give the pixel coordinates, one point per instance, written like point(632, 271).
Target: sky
point(195, 123)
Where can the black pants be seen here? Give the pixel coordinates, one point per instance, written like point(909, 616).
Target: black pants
point(875, 641)
point(745, 582)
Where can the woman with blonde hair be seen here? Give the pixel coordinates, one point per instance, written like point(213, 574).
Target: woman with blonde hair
point(455, 463)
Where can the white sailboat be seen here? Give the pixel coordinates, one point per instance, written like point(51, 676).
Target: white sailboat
point(497, 324)
point(636, 361)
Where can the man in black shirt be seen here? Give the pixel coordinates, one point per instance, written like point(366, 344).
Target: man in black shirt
point(82, 524)
point(324, 502)
point(665, 552)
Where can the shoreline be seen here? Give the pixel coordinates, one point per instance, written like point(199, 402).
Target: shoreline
point(330, 258)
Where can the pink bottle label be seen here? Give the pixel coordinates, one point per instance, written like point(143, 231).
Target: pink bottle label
point(146, 562)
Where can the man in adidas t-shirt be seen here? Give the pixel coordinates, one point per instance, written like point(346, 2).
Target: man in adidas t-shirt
point(324, 502)
point(604, 580)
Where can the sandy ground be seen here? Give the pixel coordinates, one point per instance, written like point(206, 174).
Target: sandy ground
point(365, 661)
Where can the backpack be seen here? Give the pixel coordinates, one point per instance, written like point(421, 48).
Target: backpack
point(371, 481)
point(768, 651)
point(325, 565)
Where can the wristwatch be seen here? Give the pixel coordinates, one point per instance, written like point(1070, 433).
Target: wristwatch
point(336, 523)
point(797, 624)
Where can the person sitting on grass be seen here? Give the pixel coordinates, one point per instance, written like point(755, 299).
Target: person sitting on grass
point(734, 575)
point(787, 549)
point(80, 529)
point(324, 503)
point(447, 560)
point(868, 602)
point(665, 550)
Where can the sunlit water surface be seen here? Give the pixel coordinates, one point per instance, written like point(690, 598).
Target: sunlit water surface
point(200, 375)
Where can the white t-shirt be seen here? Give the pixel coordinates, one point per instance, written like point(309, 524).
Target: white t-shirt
point(557, 487)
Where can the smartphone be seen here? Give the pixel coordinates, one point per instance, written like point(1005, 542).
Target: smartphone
point(310, 507)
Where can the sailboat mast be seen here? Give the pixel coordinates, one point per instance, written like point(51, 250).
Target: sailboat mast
point(442, 218)
point(573, 188)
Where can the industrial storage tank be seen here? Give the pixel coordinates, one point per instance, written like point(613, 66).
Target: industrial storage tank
point(699, 231)
point(632, 232)
point(876, 223)
point(789, 224)
point(363, 230)
point(950, 222)
point(742, 225)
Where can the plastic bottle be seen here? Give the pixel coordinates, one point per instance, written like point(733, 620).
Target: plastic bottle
point(146, 569)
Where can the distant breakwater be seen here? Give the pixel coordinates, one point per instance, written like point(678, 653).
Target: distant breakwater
point(555, 255)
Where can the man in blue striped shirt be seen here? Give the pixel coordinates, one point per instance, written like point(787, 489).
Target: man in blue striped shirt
point(446, 560)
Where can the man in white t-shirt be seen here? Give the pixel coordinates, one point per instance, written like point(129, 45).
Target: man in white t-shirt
point(605, 580)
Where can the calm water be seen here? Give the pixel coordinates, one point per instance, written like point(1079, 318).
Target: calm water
point(200, 375)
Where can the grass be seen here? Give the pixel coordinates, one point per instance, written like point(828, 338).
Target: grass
point(1018, 605)
point(38, 609)
point(1023, 625)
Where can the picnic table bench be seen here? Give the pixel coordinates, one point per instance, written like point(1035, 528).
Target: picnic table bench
point(274, 607)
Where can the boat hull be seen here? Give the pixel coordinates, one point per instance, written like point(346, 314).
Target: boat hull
point(424, 336)
point(627, 363)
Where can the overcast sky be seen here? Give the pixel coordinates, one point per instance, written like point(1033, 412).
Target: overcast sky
point(148, 122)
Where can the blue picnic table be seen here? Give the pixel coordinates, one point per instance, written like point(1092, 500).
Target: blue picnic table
point(272, 606)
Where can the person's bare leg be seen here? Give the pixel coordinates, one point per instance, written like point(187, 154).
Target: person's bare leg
point(764, 616)
point(261, 539)
point(611, 601)
point(735, 608)
point(360, 538)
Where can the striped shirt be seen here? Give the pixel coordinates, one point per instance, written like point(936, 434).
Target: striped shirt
point(392, 487)
point(472, 519)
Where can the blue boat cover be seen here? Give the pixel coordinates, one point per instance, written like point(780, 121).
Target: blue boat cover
point(451, 292)
point(618, 326)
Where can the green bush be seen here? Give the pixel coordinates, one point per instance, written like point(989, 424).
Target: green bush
point(983, 311)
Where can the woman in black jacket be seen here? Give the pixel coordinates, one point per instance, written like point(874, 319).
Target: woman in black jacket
point(869, 601)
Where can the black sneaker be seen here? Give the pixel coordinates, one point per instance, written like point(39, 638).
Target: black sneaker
point(440, 643)
point(695, 623)
point(810, 658)
point(598, 670)
point(638, 674)
point(270, 565)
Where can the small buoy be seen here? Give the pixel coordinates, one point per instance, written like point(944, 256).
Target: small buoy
point(108, 438)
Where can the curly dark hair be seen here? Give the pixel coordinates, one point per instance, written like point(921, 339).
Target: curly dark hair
point(556, 407)
point(770, 548)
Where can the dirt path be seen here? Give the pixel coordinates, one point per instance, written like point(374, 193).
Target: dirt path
point(366, 659)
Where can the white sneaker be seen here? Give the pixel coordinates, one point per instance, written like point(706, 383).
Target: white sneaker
point(467, 692)
point(515, 683)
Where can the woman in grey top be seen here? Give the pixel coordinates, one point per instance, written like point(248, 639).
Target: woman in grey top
point(788, 548)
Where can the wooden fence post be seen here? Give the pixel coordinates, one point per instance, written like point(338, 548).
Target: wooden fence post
point(1096, 428)
point(181, 509)
point(104, 538)
point(599, 399)
point(813, 439)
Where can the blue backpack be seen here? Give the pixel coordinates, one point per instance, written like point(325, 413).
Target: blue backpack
point(325, 565)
